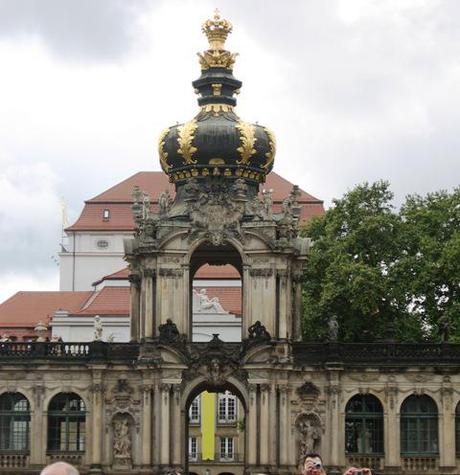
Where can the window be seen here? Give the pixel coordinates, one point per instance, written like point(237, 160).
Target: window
point(106, 215)
point(192, 449)
point(226, 448)
point(14, 422)
point(194, 411)
point(102, 244)
point(364, 425)
point(419, 426)
point(66, 423)
point(226, 407)
point(457, 430)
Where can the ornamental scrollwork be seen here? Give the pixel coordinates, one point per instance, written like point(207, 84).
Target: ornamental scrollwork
point(271, 153)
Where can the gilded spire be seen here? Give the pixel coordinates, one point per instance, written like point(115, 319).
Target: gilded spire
point(217, 56)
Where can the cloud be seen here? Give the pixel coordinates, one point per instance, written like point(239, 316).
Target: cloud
point(30, 219)
point(74, 29)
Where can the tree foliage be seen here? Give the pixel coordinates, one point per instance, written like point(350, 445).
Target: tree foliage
point(384, 273)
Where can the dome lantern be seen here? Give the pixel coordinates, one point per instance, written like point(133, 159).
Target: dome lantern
point(217, 142)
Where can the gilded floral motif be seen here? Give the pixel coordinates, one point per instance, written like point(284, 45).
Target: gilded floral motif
point(272, 143)
point(248, 139)
point(186, 134)
point(163, 154)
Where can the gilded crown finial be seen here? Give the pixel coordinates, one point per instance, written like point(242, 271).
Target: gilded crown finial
point(217, 30)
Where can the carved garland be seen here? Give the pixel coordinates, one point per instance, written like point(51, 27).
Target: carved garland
point(186, 134)
point(248, 139)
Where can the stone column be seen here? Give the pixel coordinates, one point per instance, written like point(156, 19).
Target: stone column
point(447, 430)
point(246, 304)
point(252, 433)
point(176, 426)
point(391, 430)
point(264, 425)
point(134, 311)
point(97, 426)
point(38, 428)
point(273, 428)
point(147, 425)
point(284, 305)
point(284, 424)
point(336, 437)
point(297, 305)
point(157, 404)
point(149, 276)
point(165, 390)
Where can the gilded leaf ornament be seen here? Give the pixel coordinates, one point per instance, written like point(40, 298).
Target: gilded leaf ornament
point(272, 143)
point(248, 139)
point(186, 134)
point(163, 154)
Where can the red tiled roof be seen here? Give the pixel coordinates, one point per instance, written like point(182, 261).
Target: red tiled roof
point(26, 309)
point(229, 297)
point(217, 272)
point(119, 275)
point(107, 301)
point(118, 200)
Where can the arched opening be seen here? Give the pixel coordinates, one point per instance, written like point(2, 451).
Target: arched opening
point(216, 293)
point(66, 424)
point(364, 425)
point(14, 423)
point(215, 430)
point(419, 426)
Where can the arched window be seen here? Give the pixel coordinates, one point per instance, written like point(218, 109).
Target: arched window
point(66, 423)
point(419, 426)
point(364, 425)
point(14, 422)
point(457, 430)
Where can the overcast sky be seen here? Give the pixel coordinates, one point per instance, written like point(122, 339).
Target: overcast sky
point(355, 90)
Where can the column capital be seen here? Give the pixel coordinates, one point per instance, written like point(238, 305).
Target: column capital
point(149, 273)
point(134, 279)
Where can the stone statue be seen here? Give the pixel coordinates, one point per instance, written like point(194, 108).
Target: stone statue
point(333, 325)
point(310, 436)
point(164, 202)
point(240, 188)
point(145, 206)
point(97, 328)
point(268, 204)
point(168, 332)
point(121, 439)
point(192, 189)
point(5, 338)
point(209, 304)
point(258, 331)
point(444, 328)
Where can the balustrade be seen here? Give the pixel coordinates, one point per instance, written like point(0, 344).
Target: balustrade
point(419, 464)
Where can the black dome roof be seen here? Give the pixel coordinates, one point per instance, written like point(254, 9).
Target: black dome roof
point(217, 142)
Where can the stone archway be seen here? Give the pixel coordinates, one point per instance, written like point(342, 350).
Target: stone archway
point(198, 386)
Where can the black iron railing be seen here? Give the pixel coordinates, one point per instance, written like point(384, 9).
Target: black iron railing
point(376, 353)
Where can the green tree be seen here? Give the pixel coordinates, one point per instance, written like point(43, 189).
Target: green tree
point(432, 266)
point(354, 269)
